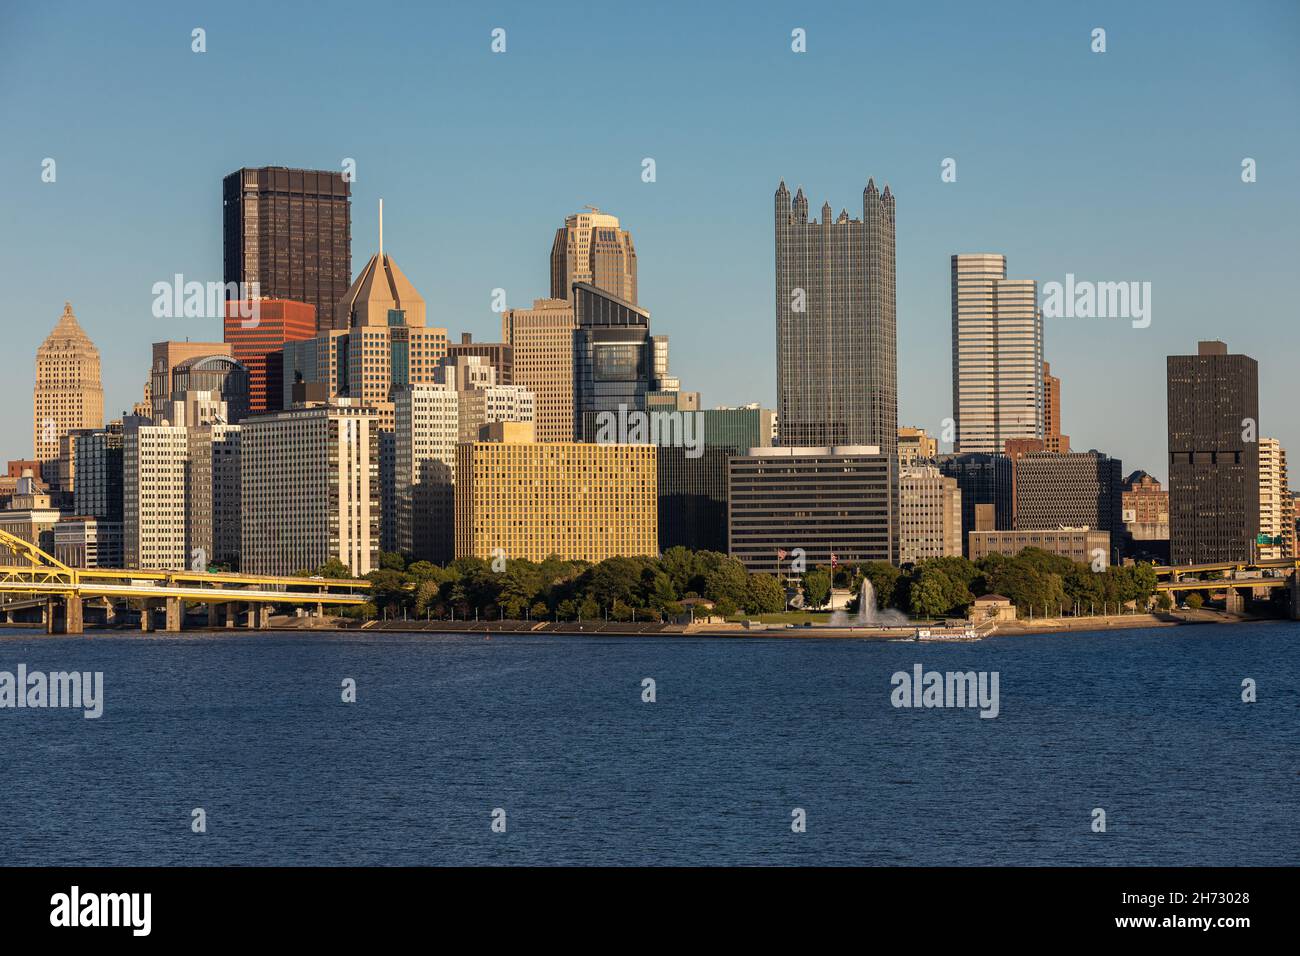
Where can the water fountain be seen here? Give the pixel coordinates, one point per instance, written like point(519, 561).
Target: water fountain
point(868, 615)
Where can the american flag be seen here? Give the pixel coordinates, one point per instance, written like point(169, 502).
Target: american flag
point(834, 559)
point(780, 554)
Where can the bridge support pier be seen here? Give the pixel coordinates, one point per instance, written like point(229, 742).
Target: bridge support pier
point(216, 615)
point(174, 614)
point(64, 615)
point(1233, 602)
point(146, 617)
point(74, 615)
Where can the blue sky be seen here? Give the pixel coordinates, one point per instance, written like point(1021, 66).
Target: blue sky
point(1116, 166)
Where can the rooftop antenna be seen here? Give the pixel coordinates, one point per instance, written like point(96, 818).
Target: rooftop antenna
point(381, 229)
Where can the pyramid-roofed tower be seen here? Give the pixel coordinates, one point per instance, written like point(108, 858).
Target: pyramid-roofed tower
point(378, 288)
point(68, 394)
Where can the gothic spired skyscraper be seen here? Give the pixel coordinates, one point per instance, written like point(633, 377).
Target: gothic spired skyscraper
point(836, 325)
point(68, 393)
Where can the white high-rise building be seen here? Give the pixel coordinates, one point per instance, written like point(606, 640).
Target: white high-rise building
point(309, 480)
point(427, 428)
point(997, 355)
point(1276, 503)
point(155, 461)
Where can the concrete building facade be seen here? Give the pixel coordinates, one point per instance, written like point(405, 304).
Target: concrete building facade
point(997, 355)
point(929, 514)
point(309, 489)
point(824, 501)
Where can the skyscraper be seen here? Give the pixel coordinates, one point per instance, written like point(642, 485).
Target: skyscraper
point(427, 429)
point(390, 346)
point(1053, 440)
point(1213, 402)
point(591, 247)
point(929, 510)
point(1081, 489)
point(259, 346)
point(68, 393)
point(614, 356)
point(290, 231)
point(997, 355)
point(836, 342)
point(541, 342)
point(986, 488)
point(578, 501)
point(327, 456)
point(1276, 506)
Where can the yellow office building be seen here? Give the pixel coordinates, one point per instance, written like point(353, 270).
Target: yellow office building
point(519, 499)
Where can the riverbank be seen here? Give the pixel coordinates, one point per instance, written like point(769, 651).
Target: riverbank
point(733, 630)
point(1096, 623)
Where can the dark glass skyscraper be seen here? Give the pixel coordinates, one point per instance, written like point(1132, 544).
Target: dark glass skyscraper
point(983, 480)
point(612, 359)
point(836, 341)
point(290, 231)
point(1213, 455)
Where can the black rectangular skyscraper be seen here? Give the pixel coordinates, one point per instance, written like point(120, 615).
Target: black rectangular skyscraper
point(290, 231)
point(1213, 455)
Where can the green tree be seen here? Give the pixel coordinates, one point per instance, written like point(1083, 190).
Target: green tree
point(729, 581)
point(765, 595)
point(392, 561)
point(1195, 601)
point(817, 587)
point(333, 568)
point(927, 594)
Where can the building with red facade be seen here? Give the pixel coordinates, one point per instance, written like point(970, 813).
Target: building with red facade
point(257, 336)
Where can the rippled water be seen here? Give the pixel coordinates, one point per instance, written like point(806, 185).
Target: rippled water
point(1146, 724)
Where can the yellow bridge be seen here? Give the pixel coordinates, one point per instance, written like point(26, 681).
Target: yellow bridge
point(37, 579)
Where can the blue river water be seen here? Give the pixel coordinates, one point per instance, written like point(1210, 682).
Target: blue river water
point(1147, 725)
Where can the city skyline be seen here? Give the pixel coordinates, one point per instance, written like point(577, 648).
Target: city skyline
point(1045, 201)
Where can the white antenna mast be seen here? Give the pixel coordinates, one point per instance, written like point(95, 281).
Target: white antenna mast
point(381, 229)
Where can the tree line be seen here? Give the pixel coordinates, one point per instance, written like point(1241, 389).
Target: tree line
point(649, 588)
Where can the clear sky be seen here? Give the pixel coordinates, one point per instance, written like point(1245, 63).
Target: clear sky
point(1118, 166)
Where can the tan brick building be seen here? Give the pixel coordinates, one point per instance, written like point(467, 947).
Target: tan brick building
point(578, 501)
point(69, 393)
